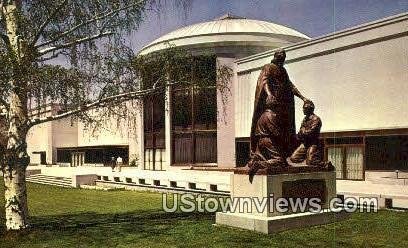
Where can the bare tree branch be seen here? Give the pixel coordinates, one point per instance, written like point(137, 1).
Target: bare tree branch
point(47, 21)
point(76, 42)
point(99, 103)
point(97, 18)
point(120, 98)
point(53, 56)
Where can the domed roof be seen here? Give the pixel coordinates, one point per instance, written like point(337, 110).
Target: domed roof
point(227, 28)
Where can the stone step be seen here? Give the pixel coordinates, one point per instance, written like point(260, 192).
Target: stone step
point(67, 180)
point(44, 177)
point(50, 180)
point(47, 176)
point(66, 185)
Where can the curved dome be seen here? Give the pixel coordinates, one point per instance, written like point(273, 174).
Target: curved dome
point(225, 30)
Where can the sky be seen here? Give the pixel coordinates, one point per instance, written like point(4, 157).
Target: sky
point(311, 17)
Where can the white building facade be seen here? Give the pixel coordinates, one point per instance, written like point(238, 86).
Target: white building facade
point(357, 79)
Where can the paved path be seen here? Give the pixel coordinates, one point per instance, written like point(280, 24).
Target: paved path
point(367, 187)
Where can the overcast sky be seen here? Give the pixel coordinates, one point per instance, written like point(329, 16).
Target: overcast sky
point(311, 17)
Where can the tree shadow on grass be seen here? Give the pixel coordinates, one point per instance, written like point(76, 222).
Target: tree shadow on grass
point(145, 223)
point(91, 219)
point(160, 229)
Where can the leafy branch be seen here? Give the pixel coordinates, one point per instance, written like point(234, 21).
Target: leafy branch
point(47, 21)
point(73, 43)
point(102, 16)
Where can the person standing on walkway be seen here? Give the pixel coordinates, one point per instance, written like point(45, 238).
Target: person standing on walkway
point(113, 164)
point(119, 163)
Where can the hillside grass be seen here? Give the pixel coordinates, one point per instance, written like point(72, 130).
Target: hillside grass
point(63, 217)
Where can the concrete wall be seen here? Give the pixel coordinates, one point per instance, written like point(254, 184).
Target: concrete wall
point(48, 136)
point(226, 119)
point(115, 131)
point(135, 139)
point(39, 140)
point(356, 78)
point(65, 133)
point(168, 134)
point(78, 180)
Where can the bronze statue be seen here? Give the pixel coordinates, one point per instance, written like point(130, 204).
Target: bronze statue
point(273, 132)
point(309, 137)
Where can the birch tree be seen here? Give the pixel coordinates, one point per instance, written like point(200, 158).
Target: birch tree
point(100, 72)
point(89, 35)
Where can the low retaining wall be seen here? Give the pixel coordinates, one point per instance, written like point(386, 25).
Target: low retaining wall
point(153, 188)
point(181, 181)
point(388, 195)
point(78, 180)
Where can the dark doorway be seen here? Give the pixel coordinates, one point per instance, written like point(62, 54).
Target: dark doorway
point(43, 158)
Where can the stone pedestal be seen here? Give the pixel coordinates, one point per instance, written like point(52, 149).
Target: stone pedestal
point(260, 200)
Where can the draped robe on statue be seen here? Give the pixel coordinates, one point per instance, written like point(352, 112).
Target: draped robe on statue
point(273, 131)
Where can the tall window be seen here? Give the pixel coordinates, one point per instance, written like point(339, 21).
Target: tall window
point(63, 156)
point(194, 118)
point(347, 156)
point(154, 135)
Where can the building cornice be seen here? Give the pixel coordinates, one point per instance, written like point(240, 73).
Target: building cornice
point(397, 19)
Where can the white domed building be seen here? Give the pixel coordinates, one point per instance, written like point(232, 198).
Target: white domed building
point(356, 77)
point(229, 38)
point(228, 35)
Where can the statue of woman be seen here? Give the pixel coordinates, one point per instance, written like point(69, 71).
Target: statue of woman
point(273, 129)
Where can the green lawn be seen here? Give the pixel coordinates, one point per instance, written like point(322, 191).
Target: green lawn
point(90, 218)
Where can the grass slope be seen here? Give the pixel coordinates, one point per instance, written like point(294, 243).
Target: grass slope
point(90, 218)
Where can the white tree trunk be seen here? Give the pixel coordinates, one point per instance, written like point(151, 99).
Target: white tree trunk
point(15, 164)
point(16, 198)
point(16, 158)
